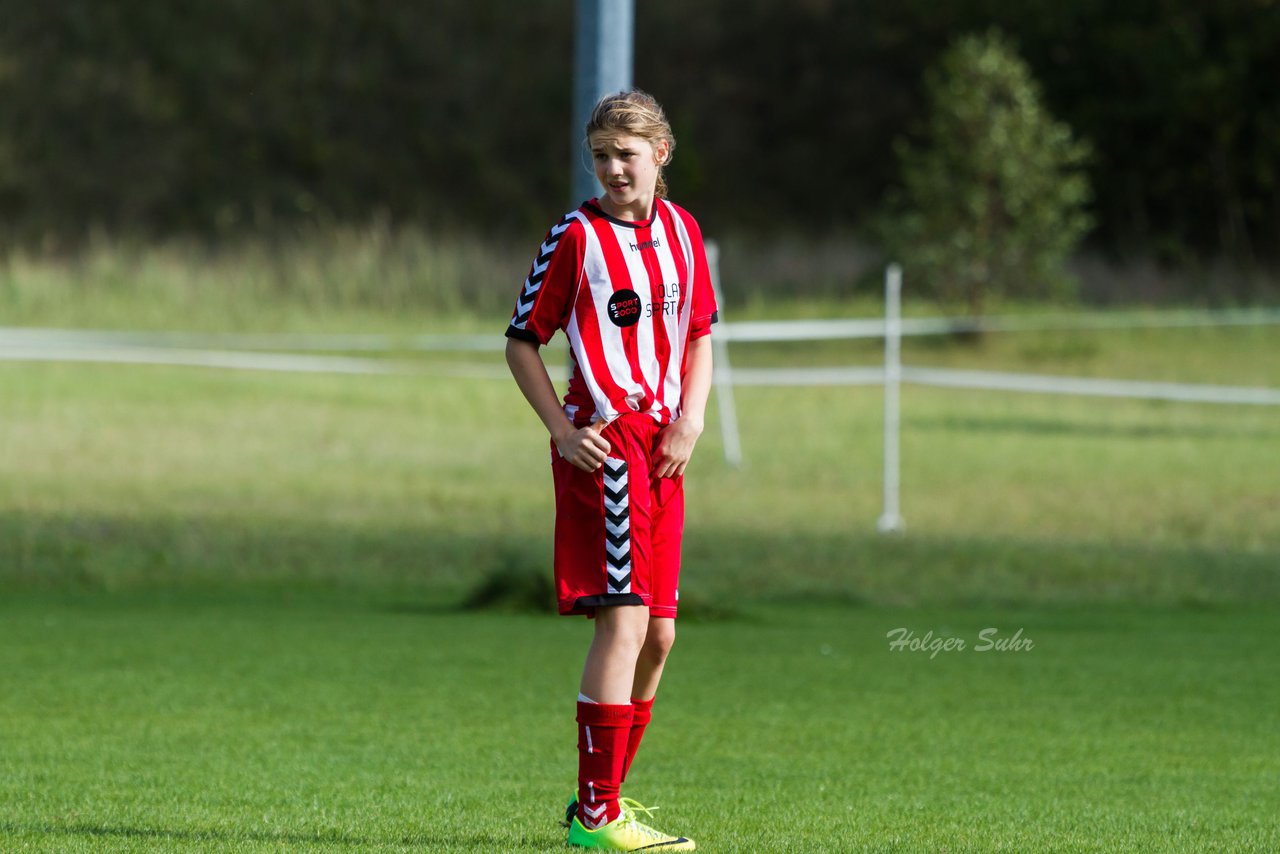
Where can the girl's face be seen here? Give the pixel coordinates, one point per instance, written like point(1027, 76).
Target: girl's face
point(627, 169)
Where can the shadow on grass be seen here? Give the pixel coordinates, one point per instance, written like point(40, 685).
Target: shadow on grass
point(517, 586)
point(726, 570)
point(116, 553)
point(915, 570)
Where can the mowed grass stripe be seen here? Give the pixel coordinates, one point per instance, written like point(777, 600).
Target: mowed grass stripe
point(127, 477)
point(150, 723)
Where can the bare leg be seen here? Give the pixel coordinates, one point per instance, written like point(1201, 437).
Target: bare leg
point(610, 670)
point(653, 657)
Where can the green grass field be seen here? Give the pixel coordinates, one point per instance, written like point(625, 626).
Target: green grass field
point(231, 614)
point(157, 723)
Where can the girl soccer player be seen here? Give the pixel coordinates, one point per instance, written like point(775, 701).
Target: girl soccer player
point(625, 276)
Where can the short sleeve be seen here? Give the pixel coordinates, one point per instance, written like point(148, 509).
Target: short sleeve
point(547, 296)
point(705, 311)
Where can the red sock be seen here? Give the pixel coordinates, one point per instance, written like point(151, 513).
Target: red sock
point(603, 731)
point(642, 712)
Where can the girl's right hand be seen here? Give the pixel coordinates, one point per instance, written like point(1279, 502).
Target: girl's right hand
point(585, 447)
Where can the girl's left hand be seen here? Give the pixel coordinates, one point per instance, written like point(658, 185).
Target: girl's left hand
point(675, 447)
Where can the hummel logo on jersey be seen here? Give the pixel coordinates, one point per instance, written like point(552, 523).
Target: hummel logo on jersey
point(645, 244)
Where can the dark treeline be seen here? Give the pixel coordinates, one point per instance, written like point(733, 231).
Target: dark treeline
point(145, 117)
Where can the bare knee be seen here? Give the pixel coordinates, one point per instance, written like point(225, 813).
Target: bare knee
point(659, 639)
point(622, 627)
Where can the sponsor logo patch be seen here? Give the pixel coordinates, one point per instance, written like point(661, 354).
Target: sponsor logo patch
point(625, 308)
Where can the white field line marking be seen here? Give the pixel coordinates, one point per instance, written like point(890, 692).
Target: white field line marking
point(742, 331)
point(873, 327)
point(337, 342)
point(1000, 381)
point(1088, 386)
point(257, 361)
point(808, 376)
point(833, 376)
point(226, 359)
point(129, 348)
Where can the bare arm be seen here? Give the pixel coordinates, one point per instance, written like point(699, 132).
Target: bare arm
point(678, 438)
point(583, 447)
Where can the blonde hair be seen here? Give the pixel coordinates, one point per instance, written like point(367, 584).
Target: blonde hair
point(635, 113)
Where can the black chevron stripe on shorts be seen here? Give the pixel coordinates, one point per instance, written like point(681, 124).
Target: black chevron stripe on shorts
point(617, 526)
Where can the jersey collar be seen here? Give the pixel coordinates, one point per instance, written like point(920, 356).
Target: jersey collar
point(594, 207)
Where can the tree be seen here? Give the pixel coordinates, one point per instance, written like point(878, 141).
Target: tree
point(993, 202)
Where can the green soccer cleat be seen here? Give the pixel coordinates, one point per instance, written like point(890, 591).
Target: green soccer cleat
point(570, 811)
point(625, 833)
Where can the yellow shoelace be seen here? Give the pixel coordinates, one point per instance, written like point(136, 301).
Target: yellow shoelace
point(630, 807)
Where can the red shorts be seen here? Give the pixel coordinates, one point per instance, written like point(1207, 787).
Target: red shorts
point(618, 530)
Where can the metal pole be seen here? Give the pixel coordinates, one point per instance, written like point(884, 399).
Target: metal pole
point(604, 38)
point(891, 517)
point(721, 373)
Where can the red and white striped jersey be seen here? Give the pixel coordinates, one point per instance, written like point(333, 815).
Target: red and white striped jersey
point(630, 296)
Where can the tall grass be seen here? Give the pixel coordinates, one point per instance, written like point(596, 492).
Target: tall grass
point(403, 278)
point(376, 275)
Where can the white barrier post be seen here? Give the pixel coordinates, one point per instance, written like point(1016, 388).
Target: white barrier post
point(721, 373)
point(891, 518)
